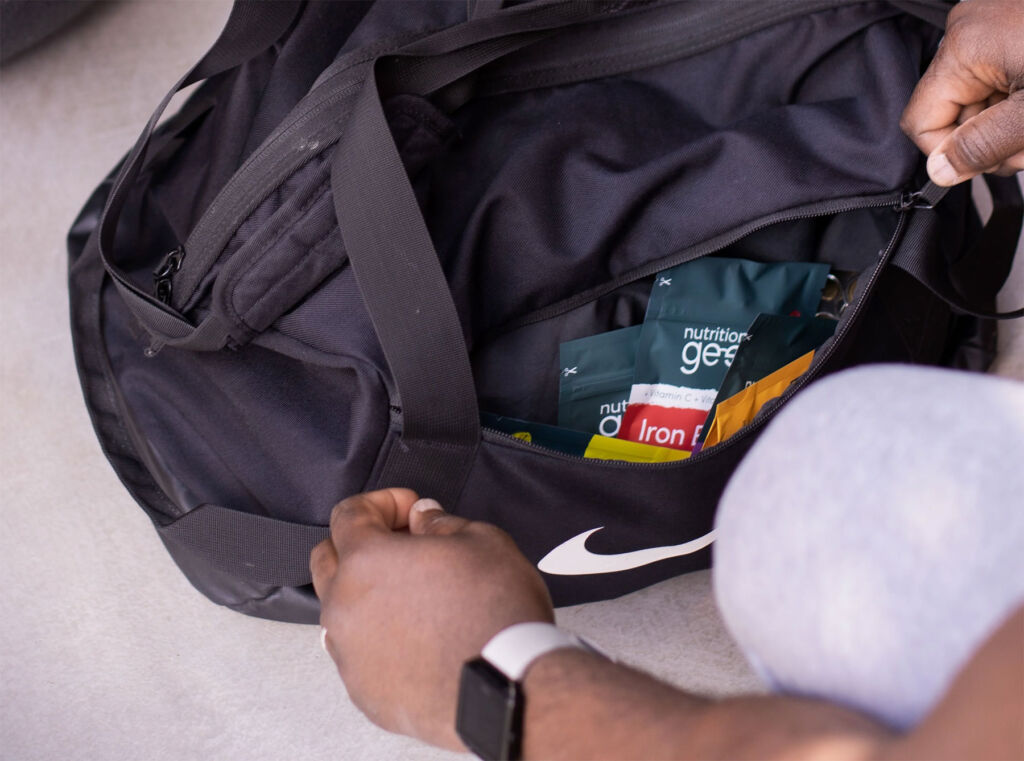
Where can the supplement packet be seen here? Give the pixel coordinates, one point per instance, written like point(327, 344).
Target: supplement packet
point(595, 379)
point(773, 340)
point(735, 412)
point(697, 316)
point(578, 443)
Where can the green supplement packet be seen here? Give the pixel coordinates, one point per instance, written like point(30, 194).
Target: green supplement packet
point(594, 382)
point(697, 316)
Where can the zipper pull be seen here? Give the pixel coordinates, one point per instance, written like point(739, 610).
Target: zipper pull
point(925, 198)
point(164, 272)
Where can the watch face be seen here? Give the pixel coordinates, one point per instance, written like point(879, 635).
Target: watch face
point(489, 715)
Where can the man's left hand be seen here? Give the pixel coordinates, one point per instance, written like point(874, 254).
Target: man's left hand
point(408, 593)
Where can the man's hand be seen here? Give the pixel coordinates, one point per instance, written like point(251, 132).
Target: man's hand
point(967, 112)
point(408, 593)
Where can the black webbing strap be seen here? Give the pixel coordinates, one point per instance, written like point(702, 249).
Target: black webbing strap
point(978, 275)
point(401, 278)
point(269, 551)
point(252, 27)
point(393, 258)
point(411, 307)
point(254, 547)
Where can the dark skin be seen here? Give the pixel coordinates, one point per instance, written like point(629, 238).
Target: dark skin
point(967, 112)
point(409, 592)
point(395, 584)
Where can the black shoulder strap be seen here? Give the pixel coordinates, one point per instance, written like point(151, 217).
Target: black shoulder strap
point(258, 548)
point(972, 281)
point(393, 258)
point(401, 278)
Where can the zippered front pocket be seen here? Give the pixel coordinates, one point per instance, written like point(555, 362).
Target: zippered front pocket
point(824, 232)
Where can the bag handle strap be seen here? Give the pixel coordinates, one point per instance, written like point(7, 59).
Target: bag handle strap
point(252, 27)
point(258, 548)
point(984, 268)
point(393, 258)
point(398, 271)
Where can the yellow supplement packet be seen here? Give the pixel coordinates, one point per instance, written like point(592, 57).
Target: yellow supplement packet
point(739, 409)
point(604, 448)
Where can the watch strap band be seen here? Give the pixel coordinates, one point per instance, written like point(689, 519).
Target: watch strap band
point(513, 649)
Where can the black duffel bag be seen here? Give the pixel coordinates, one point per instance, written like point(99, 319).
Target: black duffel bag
point(371, 221)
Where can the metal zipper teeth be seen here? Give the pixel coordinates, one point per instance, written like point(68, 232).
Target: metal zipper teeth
point(271, 164)
point(725, 240)
point(223, 217)
point(762, 420)
point(266, 169)
point(330, 88)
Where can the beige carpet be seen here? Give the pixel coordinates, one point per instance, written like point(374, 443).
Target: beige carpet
point(106, 652)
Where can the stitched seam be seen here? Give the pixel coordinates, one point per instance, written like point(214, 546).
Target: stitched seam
point(286, 225)
point(425, 120)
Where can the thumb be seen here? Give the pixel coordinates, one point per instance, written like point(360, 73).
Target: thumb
point(981, 143)
point(427, 517)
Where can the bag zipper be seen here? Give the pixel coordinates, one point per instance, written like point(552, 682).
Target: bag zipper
point(899, 201)
point(902, 203)
point(310, 131)
point(164, 273)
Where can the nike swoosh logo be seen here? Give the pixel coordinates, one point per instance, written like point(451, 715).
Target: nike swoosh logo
point(572, 558)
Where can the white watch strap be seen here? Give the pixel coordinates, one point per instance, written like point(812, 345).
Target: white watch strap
point(512, 650)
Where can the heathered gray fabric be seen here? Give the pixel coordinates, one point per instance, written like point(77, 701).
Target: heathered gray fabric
point(874, 536)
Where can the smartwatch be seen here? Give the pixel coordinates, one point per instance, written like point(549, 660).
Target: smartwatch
point(489, 716)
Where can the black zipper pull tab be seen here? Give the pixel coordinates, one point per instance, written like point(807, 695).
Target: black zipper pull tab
point(164, 272)
point(925, 198)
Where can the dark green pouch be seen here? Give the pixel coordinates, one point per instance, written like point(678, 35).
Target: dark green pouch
point(596, 374)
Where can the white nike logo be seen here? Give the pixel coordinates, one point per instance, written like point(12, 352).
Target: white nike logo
point(572, 558)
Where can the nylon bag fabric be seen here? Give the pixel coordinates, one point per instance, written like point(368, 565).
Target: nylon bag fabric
point(372, 221)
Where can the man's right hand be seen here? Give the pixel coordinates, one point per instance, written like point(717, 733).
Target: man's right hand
point(967, 112)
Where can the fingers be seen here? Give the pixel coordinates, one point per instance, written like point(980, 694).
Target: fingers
point(965, 112)
point(323, 564)
point(992, 140)
point(353, 519)
point(376, 512)
point(427, 517)
point(937, 103)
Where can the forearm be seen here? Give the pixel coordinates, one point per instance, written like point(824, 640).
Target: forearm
point(581, 706)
